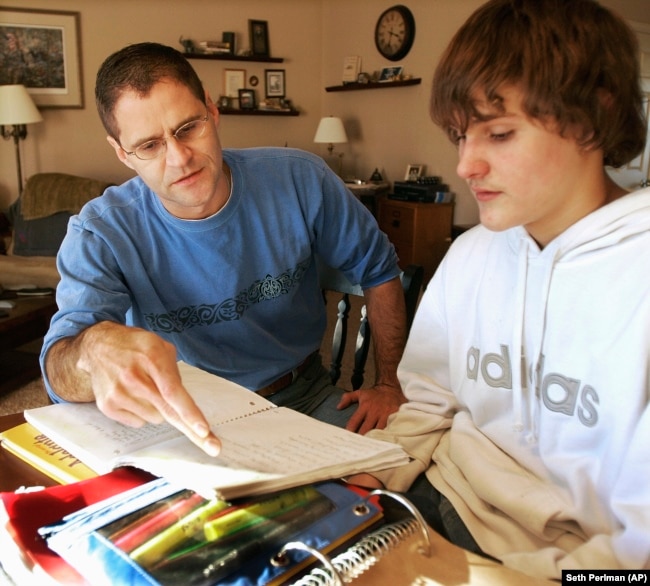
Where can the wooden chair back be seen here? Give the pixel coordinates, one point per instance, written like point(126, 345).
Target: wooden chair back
point(332, 280)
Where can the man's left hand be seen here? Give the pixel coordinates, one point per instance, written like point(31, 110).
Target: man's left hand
point(375, 405)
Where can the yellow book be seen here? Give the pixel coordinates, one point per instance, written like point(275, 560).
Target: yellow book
point(38, 450)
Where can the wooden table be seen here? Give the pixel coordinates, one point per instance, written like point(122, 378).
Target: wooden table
point(27, 321)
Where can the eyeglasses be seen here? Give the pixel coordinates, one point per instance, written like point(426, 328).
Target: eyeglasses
point(189, 132)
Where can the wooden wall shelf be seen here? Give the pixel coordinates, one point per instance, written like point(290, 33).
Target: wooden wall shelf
point(350, 87)
point(226, 57)
point(238, 112)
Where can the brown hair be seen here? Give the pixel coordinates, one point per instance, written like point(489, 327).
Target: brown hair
point(575, 61)
point(138, 68)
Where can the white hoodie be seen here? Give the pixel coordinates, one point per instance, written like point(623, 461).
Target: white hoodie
point(528, 378)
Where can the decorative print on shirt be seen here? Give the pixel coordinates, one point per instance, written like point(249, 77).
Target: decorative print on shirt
point(230, 309)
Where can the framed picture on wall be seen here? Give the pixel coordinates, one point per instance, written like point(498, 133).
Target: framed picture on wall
point(233, 81)
point(275, 87)
point(40, 50)
point(259, 37)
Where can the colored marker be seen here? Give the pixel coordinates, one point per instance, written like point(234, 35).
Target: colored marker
point(145, 528)
point(249, 515)
point(216, 560)
point(158, 546)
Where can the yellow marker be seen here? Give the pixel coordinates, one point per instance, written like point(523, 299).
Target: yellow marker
point(153, 550)
point(253, 514)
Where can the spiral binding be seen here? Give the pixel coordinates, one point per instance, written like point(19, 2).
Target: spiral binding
point(361, 556)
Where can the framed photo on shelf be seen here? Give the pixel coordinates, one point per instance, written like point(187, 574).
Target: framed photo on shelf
point(247, 99)
point(275, 86)
point(259, 37)
point(413, 171)
point(54, 80)
point(390, 73)
point(351, 69)
point(233, 81)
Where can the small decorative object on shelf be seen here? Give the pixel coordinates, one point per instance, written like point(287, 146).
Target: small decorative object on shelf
point(247, 99)
point(276, 105)
point(351, 68)
point(259, 38)
point(275, 83)
point(390, 74)
point(229, 38)
point(188, 44)
point(215, 48)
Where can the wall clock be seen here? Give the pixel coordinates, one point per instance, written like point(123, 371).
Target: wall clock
point(395, 32)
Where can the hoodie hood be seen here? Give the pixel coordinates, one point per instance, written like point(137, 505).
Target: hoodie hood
point(604, 228)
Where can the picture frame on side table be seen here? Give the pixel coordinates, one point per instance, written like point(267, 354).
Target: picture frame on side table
point(53, 77)
point(258, 31)
point(275, 83)
point(247, 99)
point(413, 172)
point(233, 81)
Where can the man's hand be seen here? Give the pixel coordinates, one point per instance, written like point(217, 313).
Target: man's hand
point(375, 405)
point(133, 377)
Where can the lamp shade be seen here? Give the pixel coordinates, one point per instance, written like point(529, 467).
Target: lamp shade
point(330, 130)
point(16, 106)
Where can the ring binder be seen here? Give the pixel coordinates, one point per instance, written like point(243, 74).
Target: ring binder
point(352, 562)
point(424, 549)
point(334, 576)
point(358, 558)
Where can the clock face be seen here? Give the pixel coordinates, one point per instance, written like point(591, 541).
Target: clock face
point(395, 32)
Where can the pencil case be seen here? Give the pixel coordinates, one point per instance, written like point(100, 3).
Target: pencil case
point(157, 535)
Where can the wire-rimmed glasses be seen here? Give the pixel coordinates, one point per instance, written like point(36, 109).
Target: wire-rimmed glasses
point(186, 133)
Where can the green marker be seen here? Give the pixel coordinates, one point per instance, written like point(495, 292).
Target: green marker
point(250, 515)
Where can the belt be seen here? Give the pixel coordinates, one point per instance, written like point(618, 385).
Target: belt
point(286, 379)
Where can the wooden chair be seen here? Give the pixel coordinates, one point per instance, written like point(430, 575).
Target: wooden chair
point(332, 280)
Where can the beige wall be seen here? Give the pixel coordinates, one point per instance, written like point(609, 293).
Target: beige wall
point(73, 141)
point(388, 128)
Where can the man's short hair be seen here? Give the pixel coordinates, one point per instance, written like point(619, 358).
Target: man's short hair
point(138, 68)
point(575, 62)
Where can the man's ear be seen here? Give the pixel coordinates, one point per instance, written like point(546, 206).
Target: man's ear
point(212, 109)
point(119, 151)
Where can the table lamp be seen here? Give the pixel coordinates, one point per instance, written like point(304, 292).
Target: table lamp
point(331, 131)
point(17, 110)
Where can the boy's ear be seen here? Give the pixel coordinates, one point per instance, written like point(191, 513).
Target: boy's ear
point(606, 99)
point(119, 151)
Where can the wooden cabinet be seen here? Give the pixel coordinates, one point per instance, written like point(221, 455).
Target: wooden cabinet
point(421, 232)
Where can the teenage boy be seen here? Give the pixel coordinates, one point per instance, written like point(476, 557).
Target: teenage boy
point(527, 368)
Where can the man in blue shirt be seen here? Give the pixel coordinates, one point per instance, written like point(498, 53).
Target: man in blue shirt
point(208, 256)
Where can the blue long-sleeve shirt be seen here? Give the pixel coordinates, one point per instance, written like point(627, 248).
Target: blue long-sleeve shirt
point(236, 293)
